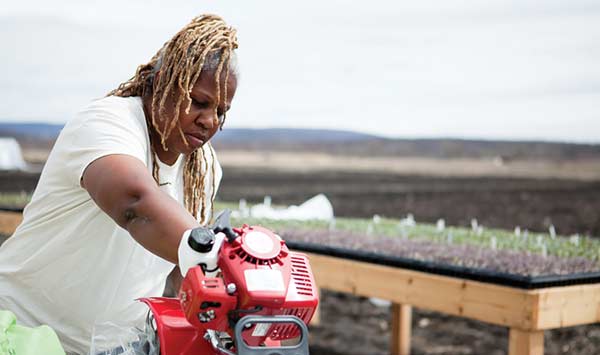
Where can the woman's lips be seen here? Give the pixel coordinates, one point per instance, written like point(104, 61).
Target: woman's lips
point(194, 141)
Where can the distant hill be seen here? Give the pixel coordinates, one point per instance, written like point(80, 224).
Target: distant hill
point(287, 135)
point(33, 130)
point(345, 143)
point(31, 135)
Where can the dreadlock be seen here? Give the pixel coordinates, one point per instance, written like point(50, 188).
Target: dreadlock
point(206, 44)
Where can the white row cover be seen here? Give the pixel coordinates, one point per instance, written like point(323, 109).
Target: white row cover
point(318, 207)
point(11, 157)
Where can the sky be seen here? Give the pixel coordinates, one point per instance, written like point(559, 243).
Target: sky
point(509, 69)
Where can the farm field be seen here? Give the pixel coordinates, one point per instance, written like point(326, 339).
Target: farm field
point(535, 204)
point(353, 325)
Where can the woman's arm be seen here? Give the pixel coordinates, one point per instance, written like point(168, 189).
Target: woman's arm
point(123, 188)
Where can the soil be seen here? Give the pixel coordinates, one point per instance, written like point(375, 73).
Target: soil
point(534, 204)
point(470, 256)
point(301, 160)
point(18, 181)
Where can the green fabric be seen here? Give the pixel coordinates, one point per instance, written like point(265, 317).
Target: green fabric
point(18, 340)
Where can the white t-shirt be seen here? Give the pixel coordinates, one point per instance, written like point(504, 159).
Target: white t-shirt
point(69, 265)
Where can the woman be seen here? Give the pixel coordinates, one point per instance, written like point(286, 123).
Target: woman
point(125, 179)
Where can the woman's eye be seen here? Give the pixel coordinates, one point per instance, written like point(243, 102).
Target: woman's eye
point(201, 104)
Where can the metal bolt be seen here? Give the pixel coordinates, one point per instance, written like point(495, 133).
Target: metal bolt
point(231, 288)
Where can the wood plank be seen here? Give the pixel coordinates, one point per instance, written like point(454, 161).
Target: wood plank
point(489, 303)
point(567, 306)
point(401, 329)
point(525, 342)
point(9, 222)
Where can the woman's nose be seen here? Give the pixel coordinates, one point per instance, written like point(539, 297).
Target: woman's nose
point(207, 121)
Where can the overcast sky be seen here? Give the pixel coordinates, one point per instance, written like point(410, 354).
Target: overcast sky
point(467, 69)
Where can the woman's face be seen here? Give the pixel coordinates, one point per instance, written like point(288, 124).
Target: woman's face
point(201, 123)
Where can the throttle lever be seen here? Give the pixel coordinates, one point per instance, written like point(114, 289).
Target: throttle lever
point(223, 224)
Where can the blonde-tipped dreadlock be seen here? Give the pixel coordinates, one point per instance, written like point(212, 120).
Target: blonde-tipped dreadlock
point(205, 44)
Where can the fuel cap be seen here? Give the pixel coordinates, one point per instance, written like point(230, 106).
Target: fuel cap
point(201, 239)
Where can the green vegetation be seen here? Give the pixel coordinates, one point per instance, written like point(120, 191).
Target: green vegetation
point(14, 200)
point(525, 241)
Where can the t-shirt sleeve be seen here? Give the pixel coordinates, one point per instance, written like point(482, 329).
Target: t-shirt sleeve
point(99, 131)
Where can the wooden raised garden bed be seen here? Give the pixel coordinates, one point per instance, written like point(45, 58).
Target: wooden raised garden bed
point(524, 289)
point(527, 312)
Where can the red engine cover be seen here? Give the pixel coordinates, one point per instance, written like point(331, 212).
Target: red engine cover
point(205, 301)
point(268, 276)
point(257, 263)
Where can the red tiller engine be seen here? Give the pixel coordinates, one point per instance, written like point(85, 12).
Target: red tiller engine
point(259, 294)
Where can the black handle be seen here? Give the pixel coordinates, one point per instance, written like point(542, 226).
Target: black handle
point(223, 224)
